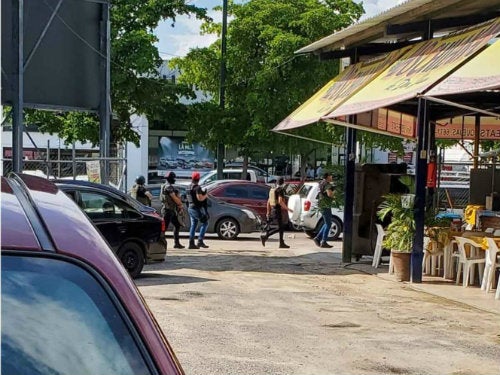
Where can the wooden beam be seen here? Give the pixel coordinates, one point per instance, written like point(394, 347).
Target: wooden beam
point(369, 49)
point(440, 24)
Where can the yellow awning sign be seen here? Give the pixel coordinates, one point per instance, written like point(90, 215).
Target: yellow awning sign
point(480, 73)
point(351, 80)
point(423, 65)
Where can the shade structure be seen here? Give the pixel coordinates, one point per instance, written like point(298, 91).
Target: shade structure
point(480, 73)
point(422, 66)
point(335, 92)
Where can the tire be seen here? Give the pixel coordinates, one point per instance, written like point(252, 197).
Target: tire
point(335, 229)
point(227, 229)
point(132, 258)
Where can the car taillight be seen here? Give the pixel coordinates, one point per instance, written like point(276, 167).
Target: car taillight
point(163, 226)
point(307, 205)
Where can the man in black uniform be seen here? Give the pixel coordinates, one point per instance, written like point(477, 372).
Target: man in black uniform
point(172, 207)
point(140, 192)
point(276, 205)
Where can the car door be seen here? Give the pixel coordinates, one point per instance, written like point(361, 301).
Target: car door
point(105, 215)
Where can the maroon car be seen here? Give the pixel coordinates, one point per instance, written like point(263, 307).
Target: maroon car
point(244, 193)
point(68, 305)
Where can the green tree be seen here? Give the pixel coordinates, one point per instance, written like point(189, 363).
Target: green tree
point(265, 80)
point(136, 86)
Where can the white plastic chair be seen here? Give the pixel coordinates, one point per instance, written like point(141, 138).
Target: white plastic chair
point(378, 246)
point(468, 262)
point(496, 233)
point(489, 230)
point(431, 263)
point(490, 266)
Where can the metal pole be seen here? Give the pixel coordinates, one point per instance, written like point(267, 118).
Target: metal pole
point(222, 87)
point(421, 176)
point(477, 130)
point(18, 85)
point(105, 105)
point(350, 165)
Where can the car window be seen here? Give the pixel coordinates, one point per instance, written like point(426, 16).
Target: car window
point(234, 192)
point(155, 191)
point(304, 191)
point(100, 206)
point(58, 319)
point(258, 193)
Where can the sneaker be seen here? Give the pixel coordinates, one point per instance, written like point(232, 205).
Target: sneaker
point(192, 246)
point(178, 246)
point(325, 245)
point(284, 246)
point(202, 244)
point(316, 241)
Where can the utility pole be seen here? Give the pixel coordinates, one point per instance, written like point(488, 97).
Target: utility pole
point(222, 88)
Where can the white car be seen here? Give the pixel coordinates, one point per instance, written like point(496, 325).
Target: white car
point(306, 215)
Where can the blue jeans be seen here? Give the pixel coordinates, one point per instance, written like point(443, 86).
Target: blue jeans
point(194, 216)
point(323, 233)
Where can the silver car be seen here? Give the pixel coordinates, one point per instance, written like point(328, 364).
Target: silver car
point(227, 220)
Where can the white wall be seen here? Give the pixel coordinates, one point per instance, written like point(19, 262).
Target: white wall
point(137, 157)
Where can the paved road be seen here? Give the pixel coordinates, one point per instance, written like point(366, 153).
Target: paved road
point(240, 308)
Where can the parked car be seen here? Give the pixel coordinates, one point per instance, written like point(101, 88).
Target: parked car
point(68, 306)
point(227, 220)
point(262, 175)
point(137, 237)
point(306, 215)
point(227, 174)
point(128, 198)
point(244, 193)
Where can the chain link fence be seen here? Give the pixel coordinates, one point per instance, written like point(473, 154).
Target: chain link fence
point(84, 168)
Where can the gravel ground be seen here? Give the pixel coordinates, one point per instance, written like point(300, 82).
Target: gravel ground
point(240, 308)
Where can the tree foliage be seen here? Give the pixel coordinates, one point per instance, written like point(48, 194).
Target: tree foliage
point(265, 80)
point(136, 86)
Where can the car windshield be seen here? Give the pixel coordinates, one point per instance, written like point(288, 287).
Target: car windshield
point(57, 319)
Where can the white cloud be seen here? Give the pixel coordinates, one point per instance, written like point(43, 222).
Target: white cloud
point(178, 40)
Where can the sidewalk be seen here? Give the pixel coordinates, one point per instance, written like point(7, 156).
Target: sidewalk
point(472, 295)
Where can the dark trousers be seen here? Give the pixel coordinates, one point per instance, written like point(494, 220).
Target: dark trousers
point(170, 216)
point(278, 217)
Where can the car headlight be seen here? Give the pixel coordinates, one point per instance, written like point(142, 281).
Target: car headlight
point(250, 214)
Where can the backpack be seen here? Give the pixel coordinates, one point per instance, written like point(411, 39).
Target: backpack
point(166, 199)
point(272, 197)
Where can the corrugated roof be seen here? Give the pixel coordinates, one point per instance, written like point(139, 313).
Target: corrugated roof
point(373, 29)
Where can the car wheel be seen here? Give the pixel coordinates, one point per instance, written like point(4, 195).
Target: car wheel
point(335, 229)
point(132, 258)
point(227, 229)
point(295, 227)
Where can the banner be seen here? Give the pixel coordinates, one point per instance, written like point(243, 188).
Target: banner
point(351, 80)
point(175, 154)
point(424, 64)
point(464, 128)
point(93, 171)
point(480, 73)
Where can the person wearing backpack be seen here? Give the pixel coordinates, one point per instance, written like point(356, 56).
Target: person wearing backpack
point(198, 211)
point(325, 198)
point(140, 192)
point(171, 207)
point(276, 204)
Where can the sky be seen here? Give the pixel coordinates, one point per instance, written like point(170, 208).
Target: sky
point(178, 40)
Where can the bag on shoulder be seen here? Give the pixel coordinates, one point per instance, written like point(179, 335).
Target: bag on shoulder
point(272, 197)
